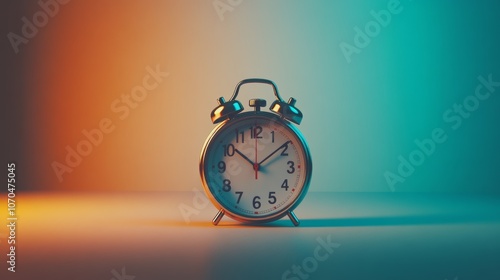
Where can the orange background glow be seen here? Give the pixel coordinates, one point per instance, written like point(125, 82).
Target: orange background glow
point(92, 54)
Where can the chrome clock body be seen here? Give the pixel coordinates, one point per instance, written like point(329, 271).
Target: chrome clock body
point(256, 166)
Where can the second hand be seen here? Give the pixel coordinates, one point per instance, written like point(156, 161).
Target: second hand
point(255, 164)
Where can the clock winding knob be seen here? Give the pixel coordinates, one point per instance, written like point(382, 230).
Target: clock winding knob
point(257, 103)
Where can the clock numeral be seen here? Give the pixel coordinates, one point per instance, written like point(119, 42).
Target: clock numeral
point(272, 136)
point(238, 133)
point(285, 185)
point(256, 202)
point(228, 150)
point(284, 153)
point(222, 166)
point(291, 166)
point(272, 198)
point(239, 196)
point(255, 132)
point(226, 185)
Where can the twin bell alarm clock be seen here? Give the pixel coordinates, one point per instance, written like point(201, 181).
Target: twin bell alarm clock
point(255, 166)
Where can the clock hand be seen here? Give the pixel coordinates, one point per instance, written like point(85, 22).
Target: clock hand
point(243, 156)
point(255, 164)
point(271, 154)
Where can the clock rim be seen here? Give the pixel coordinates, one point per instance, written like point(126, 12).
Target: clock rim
point(307, 158)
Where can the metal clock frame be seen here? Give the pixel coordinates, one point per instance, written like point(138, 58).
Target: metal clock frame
point(228, 114)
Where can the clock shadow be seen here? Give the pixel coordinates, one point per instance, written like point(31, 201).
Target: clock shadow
point(376, 221)
point(360, 221)
point(402, 220)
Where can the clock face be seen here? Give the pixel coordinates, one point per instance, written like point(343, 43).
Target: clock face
point(256, 167)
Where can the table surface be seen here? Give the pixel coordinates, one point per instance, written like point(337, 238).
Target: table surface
point(139, 236)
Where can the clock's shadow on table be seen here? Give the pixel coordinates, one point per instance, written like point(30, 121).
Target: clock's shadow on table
point(431, 219)
point(396, 220)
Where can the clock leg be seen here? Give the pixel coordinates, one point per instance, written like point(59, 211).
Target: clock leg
point(217, 217)
point(293, 218)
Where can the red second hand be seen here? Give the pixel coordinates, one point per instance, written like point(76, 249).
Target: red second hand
point(255, 164)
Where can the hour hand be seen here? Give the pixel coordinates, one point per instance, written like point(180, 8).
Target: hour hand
point(243, 156)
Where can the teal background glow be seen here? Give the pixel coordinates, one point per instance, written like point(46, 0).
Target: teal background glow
point(360, 116)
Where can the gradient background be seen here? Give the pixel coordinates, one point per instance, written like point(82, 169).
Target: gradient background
point(358, 117)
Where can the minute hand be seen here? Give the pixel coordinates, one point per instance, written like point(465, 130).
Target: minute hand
point(271, 154)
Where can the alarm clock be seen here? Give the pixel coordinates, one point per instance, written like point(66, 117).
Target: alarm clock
point(255, 166)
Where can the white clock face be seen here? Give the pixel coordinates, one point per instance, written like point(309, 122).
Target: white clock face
point(256, 167)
